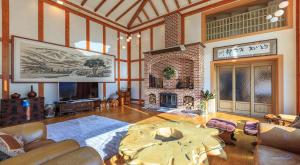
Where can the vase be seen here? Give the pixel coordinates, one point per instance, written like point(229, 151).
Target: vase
point(32, 93)
point(15, 96)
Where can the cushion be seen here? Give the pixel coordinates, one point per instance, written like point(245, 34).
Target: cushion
point(265, 155)
point(296, 123)
point(251, 128)
point(4, 156)
point(224, 125)
point(11, 145)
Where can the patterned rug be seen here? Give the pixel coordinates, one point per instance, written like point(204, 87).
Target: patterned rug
point(101, 133)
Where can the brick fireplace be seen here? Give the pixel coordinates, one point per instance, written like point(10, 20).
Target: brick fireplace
point(187, 60)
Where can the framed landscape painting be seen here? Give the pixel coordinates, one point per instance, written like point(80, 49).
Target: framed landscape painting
point(35, 61)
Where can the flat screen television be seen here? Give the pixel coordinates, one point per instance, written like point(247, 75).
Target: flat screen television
point(77, 90)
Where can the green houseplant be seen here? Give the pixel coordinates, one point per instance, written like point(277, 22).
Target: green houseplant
point(205, 96)
point(169, 72)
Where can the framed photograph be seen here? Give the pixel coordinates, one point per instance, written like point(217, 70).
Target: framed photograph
point(252, 49)
point(35, 61)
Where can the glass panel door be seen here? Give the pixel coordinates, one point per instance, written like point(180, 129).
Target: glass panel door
point(246, 89)
point(242, 89)
point(263, 89)
point(225, 85)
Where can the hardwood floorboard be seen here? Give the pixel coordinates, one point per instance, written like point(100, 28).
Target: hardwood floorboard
point(239, 154)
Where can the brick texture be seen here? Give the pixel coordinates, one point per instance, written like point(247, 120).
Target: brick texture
point(189, 62)
point(173, 30)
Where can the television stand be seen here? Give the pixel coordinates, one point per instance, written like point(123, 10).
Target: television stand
point(76, 106)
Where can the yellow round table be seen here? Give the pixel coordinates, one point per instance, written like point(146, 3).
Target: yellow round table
point(170, 143)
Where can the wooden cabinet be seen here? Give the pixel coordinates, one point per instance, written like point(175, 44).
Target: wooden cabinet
point(75, 106)
point(125, 97)
point(12, 112)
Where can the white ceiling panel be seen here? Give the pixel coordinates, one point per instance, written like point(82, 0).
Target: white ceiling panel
point(149, 10)
point(109, 4)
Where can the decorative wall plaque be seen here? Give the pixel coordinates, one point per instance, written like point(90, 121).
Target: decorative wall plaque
point(252, 49)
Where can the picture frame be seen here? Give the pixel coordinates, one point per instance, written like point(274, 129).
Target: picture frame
point(36, 61)
point(246, 50)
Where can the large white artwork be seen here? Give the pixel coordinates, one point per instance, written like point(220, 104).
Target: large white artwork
point(35, 61)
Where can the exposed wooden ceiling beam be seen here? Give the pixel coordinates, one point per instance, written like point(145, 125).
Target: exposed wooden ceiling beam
point(140, 19)
point(83, 2)
point(177, 4)
point(190, 1)
point(146, 15)
point(137, 13)
point(130, 8)
point(114, 8)
point(99, 5)
point(166, 6)
point(154, 8)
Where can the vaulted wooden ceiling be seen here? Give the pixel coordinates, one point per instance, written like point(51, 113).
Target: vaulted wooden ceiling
point(131, 13)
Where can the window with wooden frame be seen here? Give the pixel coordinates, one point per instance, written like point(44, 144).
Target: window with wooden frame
point(246, 17)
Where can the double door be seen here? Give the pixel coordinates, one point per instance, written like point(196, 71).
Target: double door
point(246, 88)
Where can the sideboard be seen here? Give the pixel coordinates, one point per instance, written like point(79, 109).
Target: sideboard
point(12, 112)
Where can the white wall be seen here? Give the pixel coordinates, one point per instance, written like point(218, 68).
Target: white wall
point(286, 47)
point(24, 23)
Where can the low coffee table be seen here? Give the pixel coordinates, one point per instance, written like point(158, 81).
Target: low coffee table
point(170, 142)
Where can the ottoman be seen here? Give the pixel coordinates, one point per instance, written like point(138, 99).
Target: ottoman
point(226, 128)
point(251, 128)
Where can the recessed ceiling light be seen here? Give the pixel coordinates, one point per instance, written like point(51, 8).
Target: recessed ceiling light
point(283, 4)
point(60, 2)
point(268, 17)
point(274, 19)
point(279, 13)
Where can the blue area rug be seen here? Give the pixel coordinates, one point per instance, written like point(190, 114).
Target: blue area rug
point(101, 133)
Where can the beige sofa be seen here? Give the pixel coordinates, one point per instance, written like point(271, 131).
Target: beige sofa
point(277, 145)
point(40, 150)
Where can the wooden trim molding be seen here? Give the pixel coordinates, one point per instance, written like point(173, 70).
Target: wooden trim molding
point(298, 54)
point(5, 49)
point(279, 85)
point(104, 51)
point(41, 38)
point(88, 35)
point(119, 63)
point(67, 28)
point(140, 67)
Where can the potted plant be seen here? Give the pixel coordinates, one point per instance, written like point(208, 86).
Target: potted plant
point(205, 96)
point(168, 74)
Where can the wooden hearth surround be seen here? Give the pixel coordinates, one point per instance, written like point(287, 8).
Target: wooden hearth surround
point(278, 60)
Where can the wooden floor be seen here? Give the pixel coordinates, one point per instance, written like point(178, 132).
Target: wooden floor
point(240, 154)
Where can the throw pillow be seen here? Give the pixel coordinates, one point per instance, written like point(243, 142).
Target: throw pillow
point(296, 123)
point(4, 156)
point(11, 145)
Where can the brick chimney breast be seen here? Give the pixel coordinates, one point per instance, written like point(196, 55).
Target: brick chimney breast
point(173, 30)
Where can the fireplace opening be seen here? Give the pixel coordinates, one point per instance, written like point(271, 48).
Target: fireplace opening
point(168, 100)
point(152, 99)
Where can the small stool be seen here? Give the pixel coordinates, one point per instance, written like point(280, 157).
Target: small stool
point(226, 128)
point(251, 128)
